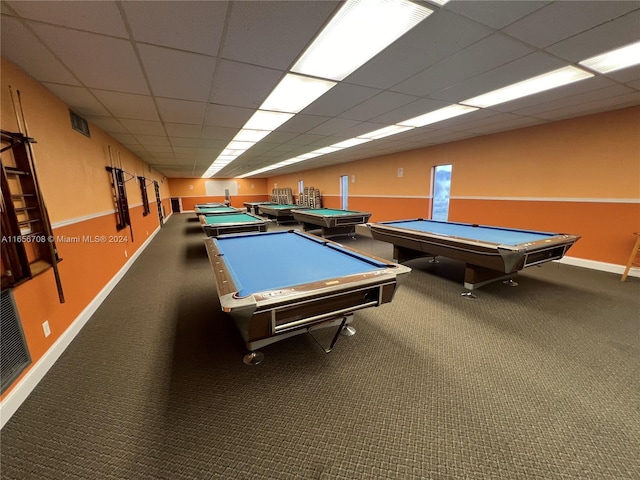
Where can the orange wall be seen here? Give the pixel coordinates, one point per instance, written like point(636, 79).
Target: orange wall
point(579, 176)
point(193, 190)
point(77, 191)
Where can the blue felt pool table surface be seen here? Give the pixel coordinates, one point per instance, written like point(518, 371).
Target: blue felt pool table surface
point(497, 235)
point(294, 258)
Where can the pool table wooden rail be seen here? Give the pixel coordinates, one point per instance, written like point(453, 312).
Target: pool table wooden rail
point(268, 316)
point(484, 261)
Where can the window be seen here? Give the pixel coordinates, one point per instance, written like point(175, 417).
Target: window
point(441, 192)
point(344, 192)
point(28, 246)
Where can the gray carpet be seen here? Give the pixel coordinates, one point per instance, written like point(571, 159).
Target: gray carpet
point(540, 381)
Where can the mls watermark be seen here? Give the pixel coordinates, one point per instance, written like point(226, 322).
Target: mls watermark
point(65, 239)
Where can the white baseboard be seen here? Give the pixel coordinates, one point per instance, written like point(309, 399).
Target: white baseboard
point(602, 266)
point(25, 386)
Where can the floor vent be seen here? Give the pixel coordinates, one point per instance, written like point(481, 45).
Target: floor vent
point(14, 354)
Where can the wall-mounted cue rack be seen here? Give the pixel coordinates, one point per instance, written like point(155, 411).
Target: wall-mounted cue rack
point(28, 243)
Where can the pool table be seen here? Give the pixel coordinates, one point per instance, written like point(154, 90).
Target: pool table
point(255, 206)
point(331, 221)
point(308, 282)
point(489, 253)
point(214, 225)
point(222, 210)
point(281, 212)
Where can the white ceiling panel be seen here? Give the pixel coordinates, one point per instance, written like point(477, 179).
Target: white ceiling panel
point(495, 13)
point(600, 39)
point(126, 105)
point(513, 72)
point(176, 74)
point(98, 17)
point(148, 140)
point(27, 52)
point(241, 85)
point(177, 142)
point(108, 124)
point(567, 20)
point(423, 46)
point(143, 127)
point(184, 25)
point(175, 81)
point(339, 99)
point(181, 111)
point(594, 106)
point(97, 60)
point(79, 99)
point(274, 43)
point(125, 138)
point(333, 126)
point(480, 57)
point(183, 130)
point(378, 105)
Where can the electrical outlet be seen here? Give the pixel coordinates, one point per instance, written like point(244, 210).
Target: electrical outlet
point(45, 328)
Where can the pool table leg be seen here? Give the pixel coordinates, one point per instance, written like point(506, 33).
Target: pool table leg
point(348, 331)
point(476, 277)
point(253, 358)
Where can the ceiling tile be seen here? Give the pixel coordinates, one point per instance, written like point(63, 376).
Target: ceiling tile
point(107, 124)
point(148, 140)
point(183, 130)
point(181, 111)
point(126, 105)
point(193, 26)
point(176, 74)
point(378, 105)
point(513, 72)
point(143, 127)
point(563, 20)
point(600, 39)
point(339, 99)
point(424, 45)
point(226, 116)
point(79, 99)
point(28, 53)
point(481, 57)
point(495, 13)
point(98, 17)
point(99, 61)
point(243, 85)
point(274, 43)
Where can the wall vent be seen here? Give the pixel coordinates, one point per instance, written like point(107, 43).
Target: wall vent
point(79, 124)
point(13, 347)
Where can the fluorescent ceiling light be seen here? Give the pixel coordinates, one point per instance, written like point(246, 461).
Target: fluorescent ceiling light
point(264, 120)
point(352, 142)
point(546, 81)
point(246, 135)
point(359, 31)
point(295, 92)
point(438, 115)
point(614, 60)
point(325, 150)
point(386, 131)
point(235, 145)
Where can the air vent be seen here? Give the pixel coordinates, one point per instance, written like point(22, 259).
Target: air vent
point(15, 354)
point(79, 124)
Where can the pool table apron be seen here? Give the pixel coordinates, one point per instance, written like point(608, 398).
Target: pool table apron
point(269, 316)
point(483, 263)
